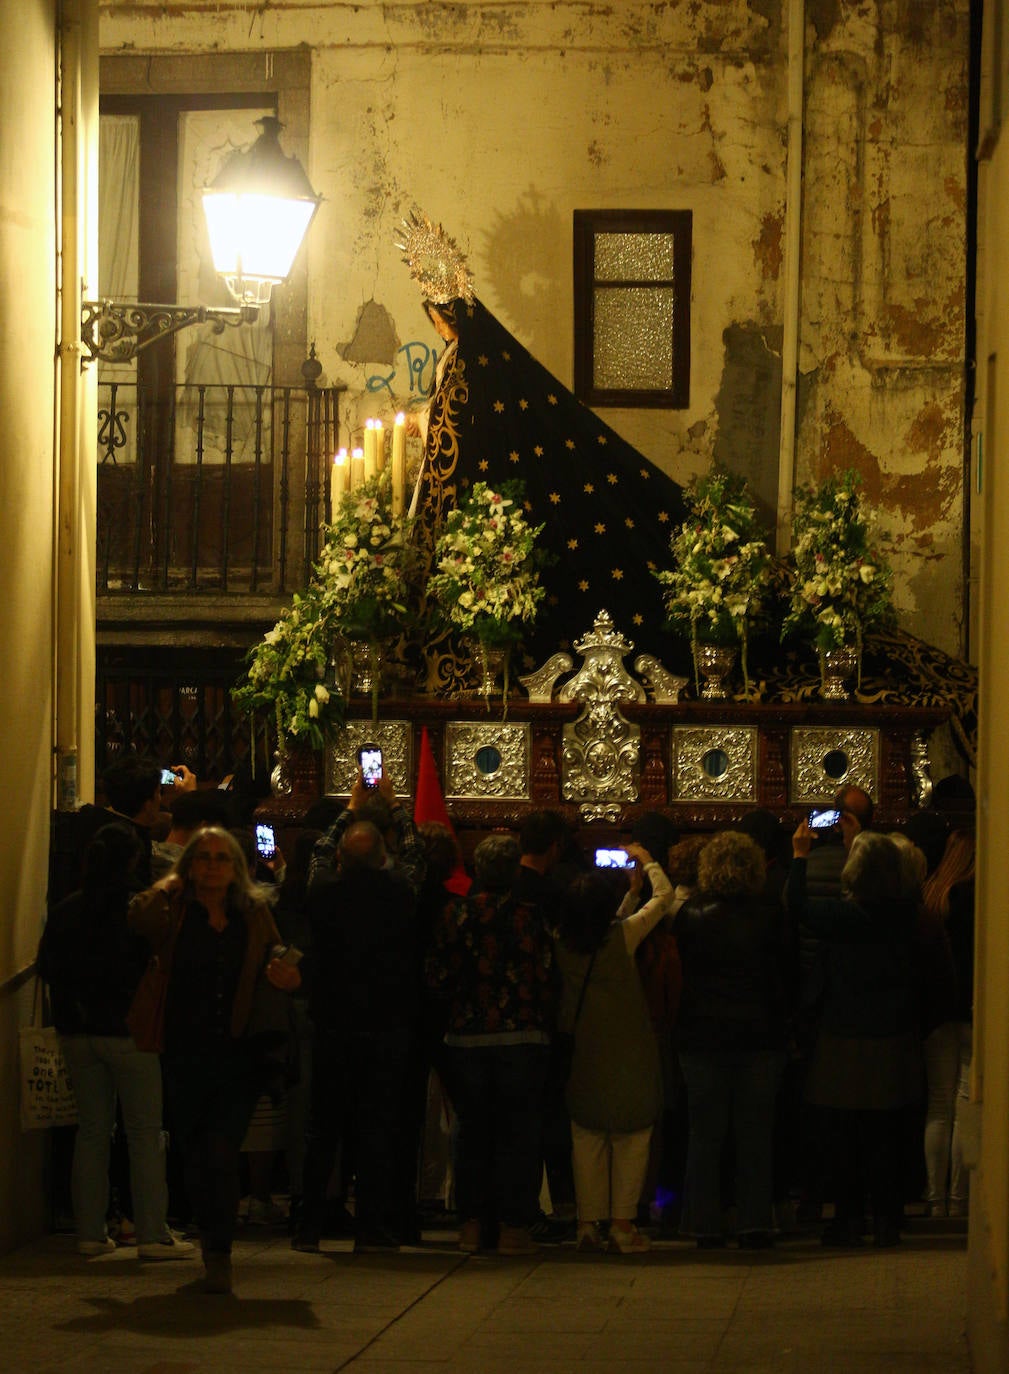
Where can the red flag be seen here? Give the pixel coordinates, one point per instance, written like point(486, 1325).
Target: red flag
point(429, 805)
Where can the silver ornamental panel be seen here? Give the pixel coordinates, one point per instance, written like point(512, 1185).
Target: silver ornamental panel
point(486, 759)
point(600, 763)
point(393, 737)
point(714, 763)
point(825, 758)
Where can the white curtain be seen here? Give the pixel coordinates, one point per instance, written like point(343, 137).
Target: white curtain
point(118, 207)
point(118, 265)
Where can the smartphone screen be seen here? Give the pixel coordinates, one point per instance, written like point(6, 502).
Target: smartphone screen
point(370, 758)
point(168, 778)
point(613, 858)
point(266, 842)
point(824, 820)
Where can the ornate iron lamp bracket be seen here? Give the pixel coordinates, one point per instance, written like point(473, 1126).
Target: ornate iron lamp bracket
point(117, 332)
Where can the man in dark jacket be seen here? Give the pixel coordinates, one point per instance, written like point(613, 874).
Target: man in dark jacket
point(365, 998)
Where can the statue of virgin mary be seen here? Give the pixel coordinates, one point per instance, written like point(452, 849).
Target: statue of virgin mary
point(496, 413)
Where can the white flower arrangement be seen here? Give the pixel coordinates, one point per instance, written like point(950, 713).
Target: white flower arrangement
point(486, 581)
point(839, 584)
point(364, 569)
point(722, 569)
point(286, 671)
point(360, 590)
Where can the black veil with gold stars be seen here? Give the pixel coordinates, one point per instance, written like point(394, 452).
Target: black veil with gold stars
point(608, 512)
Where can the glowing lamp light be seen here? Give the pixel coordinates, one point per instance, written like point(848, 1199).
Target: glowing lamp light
point(258, 209)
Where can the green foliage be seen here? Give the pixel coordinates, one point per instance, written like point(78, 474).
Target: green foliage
point(364, 569)
point(840, 584)
point(722, 567)
point(360, 590)
point(286, 671)
point(487, 568)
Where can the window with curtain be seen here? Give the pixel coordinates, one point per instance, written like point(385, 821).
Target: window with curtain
point(632, 307)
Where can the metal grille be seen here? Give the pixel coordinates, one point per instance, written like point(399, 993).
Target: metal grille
point(176, 707)
point(219, 490)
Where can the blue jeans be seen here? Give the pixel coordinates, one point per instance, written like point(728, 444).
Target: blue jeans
point(497, 1093)
point(101, 1067)
point(741, 1087)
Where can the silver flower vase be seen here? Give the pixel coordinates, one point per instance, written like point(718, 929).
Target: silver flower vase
point(714, 663)
point(837, 668)
point(493, 663)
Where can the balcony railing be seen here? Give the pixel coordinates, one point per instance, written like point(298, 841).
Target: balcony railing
point(218, 489)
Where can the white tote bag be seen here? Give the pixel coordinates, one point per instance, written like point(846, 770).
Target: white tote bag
point(47, 1094)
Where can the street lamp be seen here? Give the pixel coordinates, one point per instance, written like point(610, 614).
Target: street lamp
point(258, 209)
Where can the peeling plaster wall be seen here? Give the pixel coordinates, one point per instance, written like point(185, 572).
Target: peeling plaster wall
point(501, 119)
point(883, 281)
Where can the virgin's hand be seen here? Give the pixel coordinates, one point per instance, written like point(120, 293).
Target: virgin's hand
point(283, 976)
point(802, 840)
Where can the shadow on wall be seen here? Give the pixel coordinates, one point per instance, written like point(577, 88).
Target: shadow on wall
point(524, 254)
point(748, 406)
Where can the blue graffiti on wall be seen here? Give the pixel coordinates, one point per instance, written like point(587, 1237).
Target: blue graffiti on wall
point(420, 361)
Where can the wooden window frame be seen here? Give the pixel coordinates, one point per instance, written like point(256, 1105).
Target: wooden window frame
point(587, 225)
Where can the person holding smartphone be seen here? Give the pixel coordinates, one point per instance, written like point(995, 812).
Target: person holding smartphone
point(614, 1092)
point(732, 1036)
point(363, 881)
point(865, 1065)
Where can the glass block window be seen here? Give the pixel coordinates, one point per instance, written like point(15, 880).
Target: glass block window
point(632, 307)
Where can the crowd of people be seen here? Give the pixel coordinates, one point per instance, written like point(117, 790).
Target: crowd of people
point(723, 1032)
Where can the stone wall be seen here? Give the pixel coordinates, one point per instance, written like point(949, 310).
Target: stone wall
point(501, 119)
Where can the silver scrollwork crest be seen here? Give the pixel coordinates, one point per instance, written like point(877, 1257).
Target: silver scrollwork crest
point(601, 755)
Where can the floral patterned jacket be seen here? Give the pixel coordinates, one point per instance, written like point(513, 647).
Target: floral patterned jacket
point(491, 960)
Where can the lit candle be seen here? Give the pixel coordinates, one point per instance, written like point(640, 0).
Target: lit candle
point(370, 467)
point(379, 433)
point(399, 464)
point(339, 482)
point(356, 468)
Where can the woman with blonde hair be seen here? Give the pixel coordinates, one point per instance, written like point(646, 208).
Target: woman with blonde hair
point(948, 905)
point(211, 928)
point(865, 1068)
point(732, 1035)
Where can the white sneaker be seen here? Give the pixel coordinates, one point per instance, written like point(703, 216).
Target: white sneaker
point(90, 1248)
point(172, 1249)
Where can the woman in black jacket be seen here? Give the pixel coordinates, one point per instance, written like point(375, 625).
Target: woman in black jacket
point(732, 1034)
point(865, 1066)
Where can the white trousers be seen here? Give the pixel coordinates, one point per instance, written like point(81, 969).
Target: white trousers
point(609, 1169)
point(947, 1067)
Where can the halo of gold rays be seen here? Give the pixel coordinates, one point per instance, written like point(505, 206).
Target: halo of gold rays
point(436, 262)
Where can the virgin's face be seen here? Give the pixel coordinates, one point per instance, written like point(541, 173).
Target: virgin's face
point(442, 326)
